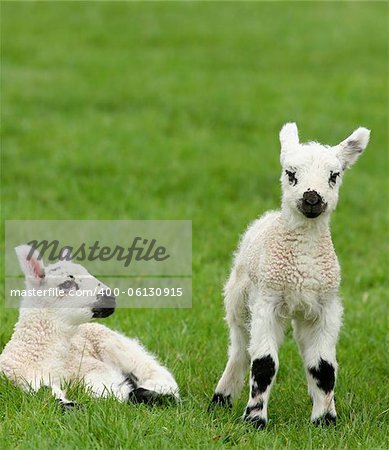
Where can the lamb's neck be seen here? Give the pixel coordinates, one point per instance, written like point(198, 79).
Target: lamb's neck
point(313, 228)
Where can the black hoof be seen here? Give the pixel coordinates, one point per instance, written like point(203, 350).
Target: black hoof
point(326, 420)
point(141, 395)
point(66, 406)
point(257, 422)
point(220, 400)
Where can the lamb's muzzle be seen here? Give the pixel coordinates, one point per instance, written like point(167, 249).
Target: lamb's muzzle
point(312, 204)
point(104, 307)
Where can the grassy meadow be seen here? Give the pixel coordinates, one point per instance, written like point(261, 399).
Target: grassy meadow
point(172, 111)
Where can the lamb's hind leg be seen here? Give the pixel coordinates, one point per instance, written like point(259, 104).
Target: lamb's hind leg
point(317, 342)
point(232, 380)
point(141, 369)
point(153, 381)
point(104, 380)
point(267, 331)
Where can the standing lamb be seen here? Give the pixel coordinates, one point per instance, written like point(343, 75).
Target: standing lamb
point(286, 268)
point(52, 343)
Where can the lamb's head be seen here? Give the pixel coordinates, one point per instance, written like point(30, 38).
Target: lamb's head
point(67, 289)
point(312, 173)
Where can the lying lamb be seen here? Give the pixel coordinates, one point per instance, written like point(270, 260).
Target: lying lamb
point(52, 342)
point(286, 267)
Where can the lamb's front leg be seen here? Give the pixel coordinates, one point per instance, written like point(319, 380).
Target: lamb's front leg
point(36, 382)
point(266, 336)
point(317, 341)
point(60, 395)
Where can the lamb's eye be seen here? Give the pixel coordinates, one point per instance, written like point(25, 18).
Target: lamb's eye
point(71, 276)
point(292, 177)
point(333, 177)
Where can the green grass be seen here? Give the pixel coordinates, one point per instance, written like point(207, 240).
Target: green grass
point(172, 111)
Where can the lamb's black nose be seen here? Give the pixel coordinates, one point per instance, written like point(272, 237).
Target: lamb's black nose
point(312, 198)
point(104, 306)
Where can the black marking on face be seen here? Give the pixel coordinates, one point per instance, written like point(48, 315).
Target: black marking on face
point(324, 375)
point(68, 285)
point(332, 178)
point(220, 400)
point(262, 372)
point(257, 407)
point(292, 177)
point(326, 420)
point(258, 422)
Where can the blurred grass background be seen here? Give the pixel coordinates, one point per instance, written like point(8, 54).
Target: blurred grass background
point(172, 111)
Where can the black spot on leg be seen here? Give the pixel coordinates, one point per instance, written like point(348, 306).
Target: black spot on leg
point(152, 398)
point(257, 407)
point(262, 372)
point(324, 375)
point(141, 395)
point(131, 380)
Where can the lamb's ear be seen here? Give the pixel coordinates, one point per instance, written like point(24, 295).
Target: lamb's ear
point(30, 263)
point(289, 138)
point(349, 150)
